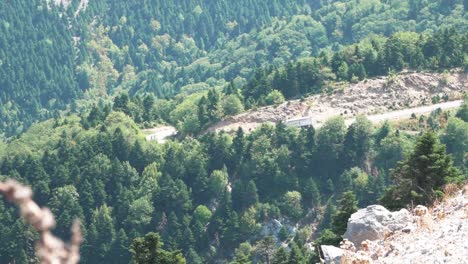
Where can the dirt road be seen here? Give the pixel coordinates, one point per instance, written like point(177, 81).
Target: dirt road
point(406, 113)
point(379, 98)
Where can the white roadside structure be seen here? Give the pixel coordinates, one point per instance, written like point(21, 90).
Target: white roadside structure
point(160, 134)
point(299, 122)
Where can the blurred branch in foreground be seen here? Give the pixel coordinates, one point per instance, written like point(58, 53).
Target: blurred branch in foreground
point(50, 249)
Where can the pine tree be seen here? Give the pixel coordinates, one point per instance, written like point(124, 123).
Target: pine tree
point(347, 206)
point(148, 250)
point(419, 178)
point(311, 192)
point(296, 256)
point(266, 249)
point(237, 150)
point(357, 143)
point(281, 256)
point(202, 112)
point(343, 72)
point(119, 253)
point(462, 113)
point(101, 232)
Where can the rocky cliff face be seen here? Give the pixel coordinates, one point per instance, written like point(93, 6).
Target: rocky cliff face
point(435, 235)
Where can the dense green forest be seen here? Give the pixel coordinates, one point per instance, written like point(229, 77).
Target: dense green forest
point(58, 58)
point(209, 196)
point(79, 82)
point(373, 56)
point(37, 67)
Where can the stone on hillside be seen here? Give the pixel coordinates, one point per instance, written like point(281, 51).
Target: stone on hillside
point(420, 210)
point(271, 228)
point(331, 254)
point(375, 222)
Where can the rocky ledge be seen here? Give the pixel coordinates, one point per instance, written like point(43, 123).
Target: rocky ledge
point(425, 235)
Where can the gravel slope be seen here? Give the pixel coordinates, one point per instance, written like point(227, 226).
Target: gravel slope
point(380, 98)
point(444, 241)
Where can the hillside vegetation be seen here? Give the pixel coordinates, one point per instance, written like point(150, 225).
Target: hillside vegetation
point(211, 195)
point(165, 48)
point(81, 80)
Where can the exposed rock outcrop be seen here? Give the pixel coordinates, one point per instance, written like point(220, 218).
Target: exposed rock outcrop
point(332, 254)
point(375, 222)
point(273, 227)
point(434, 235)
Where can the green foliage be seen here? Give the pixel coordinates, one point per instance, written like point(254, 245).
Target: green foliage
point(359, 182)
point(2, 149)
point(372, 56)
point(291, 204)
point(138, 64)
point(328, 237)
point(148, 249)
point(462, 113)
point(232, 105)
point(393, 148)
point(37, 71)
point(202, 214)
point(311, 193)
point(281, 256)
point(330, 139)
point(149, 180)
point(275, 97)
point(74, 59)
point(423, 173)
point(296, 255)
point(101, 233)
point(266, 249)
point(126, 187)
point(347, 205)
point(358, 143)
point(218, 181)
point(140, 213)
point(65, 206)
point(456, 140)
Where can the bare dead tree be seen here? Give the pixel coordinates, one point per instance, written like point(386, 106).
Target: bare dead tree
point(49, 248)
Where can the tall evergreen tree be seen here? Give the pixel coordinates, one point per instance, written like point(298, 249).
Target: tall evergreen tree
point(419, 179)
point(148, 250)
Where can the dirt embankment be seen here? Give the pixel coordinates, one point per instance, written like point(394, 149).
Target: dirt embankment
point(369, 97)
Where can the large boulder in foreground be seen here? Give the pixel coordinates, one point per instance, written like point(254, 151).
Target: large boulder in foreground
point(375, 222)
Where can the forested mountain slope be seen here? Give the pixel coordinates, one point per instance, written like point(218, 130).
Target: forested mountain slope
point(211, 195)
point(37, 64)
point(101, 70)
point(168, 47)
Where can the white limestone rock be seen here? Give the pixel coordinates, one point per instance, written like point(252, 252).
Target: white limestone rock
point(331, 254)
point(374, 222)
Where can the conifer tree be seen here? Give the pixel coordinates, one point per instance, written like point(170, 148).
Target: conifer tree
point(419, 179)
point(296, 256)
point(281, 256)
point(347, 206)
point(148, 250)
